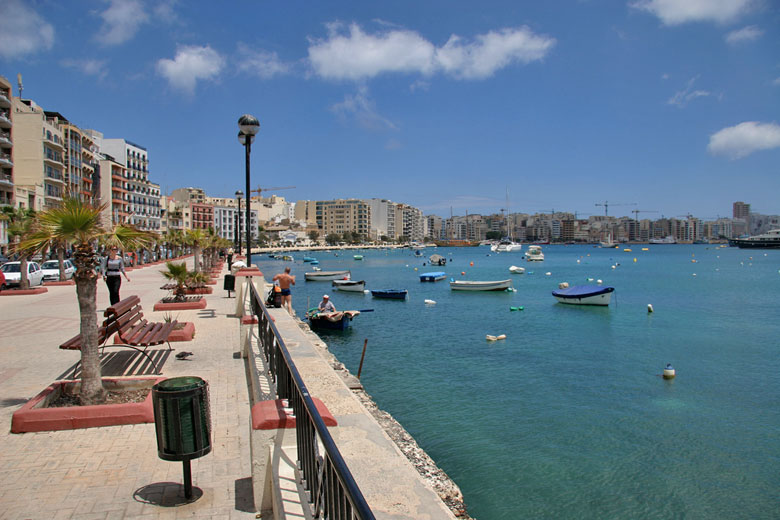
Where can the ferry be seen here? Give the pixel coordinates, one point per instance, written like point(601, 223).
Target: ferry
point(768, 240)
point(667, 240)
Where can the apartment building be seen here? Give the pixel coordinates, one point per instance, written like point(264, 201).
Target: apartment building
point(226, 225)
point(383, 219)
point(6, 151)
point(202, 215)
point(79, 159)
point(342, 215)
point(112, 180)
point(143, 196)
point(188, 195)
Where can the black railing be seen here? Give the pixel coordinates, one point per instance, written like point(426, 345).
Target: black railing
point(333, 492)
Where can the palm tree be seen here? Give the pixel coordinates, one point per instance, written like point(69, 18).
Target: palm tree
point(79, 223)
point(177, 273)
point(195, 238)
point(19, 221)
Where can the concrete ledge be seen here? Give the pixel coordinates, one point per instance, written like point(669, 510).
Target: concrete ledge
point(249, 272)
point(34, 417)
point(23, 292)
point(58, 283)
point(180, 306)
point(274, 415)
point(199, 290)
point(183, 334)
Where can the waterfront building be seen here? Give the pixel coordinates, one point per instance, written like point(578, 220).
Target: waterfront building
point(226, 221)
point(383, 219)
point(6, 156)
point(202, 215)
point(143, 195)
point(79, 159)
point(113, 190)
point(342, 215)
point(188, 195)
point(435, 227)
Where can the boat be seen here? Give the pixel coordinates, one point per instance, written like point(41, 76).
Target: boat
point(349, 285)
point(357, 257)
point(319, 276)
point(584, 295)
point(666, 240)
point(608, 243)
point(433, 277)
point(506, 245)
point(390, 294)
point(534, 254)
point(315, 262)
point(493, 285)
point(308, 259)
point(516, 270)
point(418, 253)
point(437, 260)
point(768, 240)
point(340, 320)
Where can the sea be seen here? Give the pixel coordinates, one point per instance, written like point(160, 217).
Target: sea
point(569, 417)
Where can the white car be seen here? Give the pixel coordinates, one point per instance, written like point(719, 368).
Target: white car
point(51, 270)
point(13, 273)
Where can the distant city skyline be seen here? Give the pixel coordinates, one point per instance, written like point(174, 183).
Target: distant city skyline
point(669, 105)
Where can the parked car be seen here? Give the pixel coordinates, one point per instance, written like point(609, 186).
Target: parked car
point(3, 259)
point(13, 273)
point(51, 270)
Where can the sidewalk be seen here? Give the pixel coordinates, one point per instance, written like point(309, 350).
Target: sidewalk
point(113, 472)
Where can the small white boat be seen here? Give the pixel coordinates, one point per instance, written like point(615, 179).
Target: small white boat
point(517, 270)
point(584, 295)
point(534, 254)
point(506, 245)
point(349, 285)
point(320, 276)
point(493, 285)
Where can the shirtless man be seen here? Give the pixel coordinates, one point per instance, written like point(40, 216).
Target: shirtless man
point(285, 279)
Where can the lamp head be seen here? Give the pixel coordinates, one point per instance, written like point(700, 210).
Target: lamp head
point(239, 194)
point(248, 124)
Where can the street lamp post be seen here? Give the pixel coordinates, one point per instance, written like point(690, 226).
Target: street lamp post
point(248, 126)
point(239, 194)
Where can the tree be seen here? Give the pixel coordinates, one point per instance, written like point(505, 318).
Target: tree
point(493, 235)
point(195, 238)
point(19, 222)
point(79, 223)
point(314, 235)
point(178, 273)
point(333, 239)
point(384, 238)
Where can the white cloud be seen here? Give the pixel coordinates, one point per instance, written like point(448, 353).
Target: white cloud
point(776, 82)
point(87, 67)
point(682, 98)
point(22, 30)
point(262, 63)
point(676, 12)
point(744, 139)
point(746, 34)
point(353, 54)
point(121, 20)
point(190, 65)
point(362, 108)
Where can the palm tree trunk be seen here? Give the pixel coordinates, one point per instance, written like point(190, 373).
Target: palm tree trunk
point(24, 280)
point(197, 258)
point(61, 262)
point(92, 391)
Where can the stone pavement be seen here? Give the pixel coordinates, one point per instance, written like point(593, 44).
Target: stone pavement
point(114, 472)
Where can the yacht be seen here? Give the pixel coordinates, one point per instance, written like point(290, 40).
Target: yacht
point(667, 240)
point(768, 240)
point(534, 254)
point(506, 245)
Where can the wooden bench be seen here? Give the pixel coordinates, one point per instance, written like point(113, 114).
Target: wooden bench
point(126, 320)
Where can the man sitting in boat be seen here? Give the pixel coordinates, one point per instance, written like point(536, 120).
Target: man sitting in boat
point(326, 305)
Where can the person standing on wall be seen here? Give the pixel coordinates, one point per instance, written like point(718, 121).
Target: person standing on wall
point(113, 269)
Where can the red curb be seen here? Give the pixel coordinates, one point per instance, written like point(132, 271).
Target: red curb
point(180, 306)
point(32, 418)
point(185, 334)
point(58, 283)
point(23, 292)
point(200, 290)
point(271, 415)
point(249, 272)
point(249, 320)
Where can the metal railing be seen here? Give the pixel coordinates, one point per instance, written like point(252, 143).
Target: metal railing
point(333, 492)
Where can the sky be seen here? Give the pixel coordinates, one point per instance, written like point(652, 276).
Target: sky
point(667, 107)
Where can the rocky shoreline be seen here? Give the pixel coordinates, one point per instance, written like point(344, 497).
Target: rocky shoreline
point(445, 487)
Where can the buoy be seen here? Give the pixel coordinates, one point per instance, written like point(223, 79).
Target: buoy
point(516, 308)
point(599, 281)
point(627, 250)
point(614, 266)
point(548, 273)
point(590, 279)
point(634, 260)
point(563, 285)
point(491, 338)
point(430, 302)
point(463, 273)
point(471, 264)
point(645, 249)
point(669, 372)
point(366, 291)
point(578, 260)
point(649, 307)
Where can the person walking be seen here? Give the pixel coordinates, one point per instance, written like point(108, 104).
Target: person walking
point(326, 305)
point(113, 269)
point(230, 257)
point(285, 279)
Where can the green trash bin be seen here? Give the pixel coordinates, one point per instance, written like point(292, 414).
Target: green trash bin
point(182, 418)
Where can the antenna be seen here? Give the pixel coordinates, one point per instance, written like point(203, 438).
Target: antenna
point(19, 82)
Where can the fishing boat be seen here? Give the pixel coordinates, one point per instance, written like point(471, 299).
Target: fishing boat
point(584, 295)
point(349, 285)
point(320, 276)
point(516, 270)
point(769, 240)
point(437, 260)
point(433, 277)
point(534, 254)
point(390, 294)
point(494, 285)
point(340, 320)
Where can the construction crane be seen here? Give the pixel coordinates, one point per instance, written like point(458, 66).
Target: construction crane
point(687, 215)
point(260, 190)
point(606, 205)
point(636, 212)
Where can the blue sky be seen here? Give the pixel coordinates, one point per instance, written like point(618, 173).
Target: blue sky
point(671, 105)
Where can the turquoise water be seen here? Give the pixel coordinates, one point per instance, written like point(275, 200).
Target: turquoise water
point(569, 417)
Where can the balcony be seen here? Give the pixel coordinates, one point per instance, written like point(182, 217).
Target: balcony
point(53, 159)
point(5, 140)
point(5, 119)
point(4, 101)
point(5, 160)
point(6, 180)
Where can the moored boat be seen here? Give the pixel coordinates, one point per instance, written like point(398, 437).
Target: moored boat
point(666, 240)
point(437, 260)
point(319, 276)
point(340, 320)
point(534, 254)
point(349, 285)
point(433, 277)
point(506, 245)
point(584, 295)
point(492, 285)
point(516, 270)
point(768, 240)
point(390, 294)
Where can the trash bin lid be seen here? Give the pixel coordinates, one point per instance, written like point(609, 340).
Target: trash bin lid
point(180, 384)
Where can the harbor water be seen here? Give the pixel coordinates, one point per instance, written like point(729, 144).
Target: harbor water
point(569, 417)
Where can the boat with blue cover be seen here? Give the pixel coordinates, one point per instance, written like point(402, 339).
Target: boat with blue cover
point(433, 277)
point(390, 294)
point(584, 295)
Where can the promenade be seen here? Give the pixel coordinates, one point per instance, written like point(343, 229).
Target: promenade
point(114, 472)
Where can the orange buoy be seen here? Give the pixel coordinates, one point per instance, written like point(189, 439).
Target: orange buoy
point(471, 264)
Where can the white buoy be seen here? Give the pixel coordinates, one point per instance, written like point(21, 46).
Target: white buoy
point(669, 372)
point(491, 338)
point(548, 273)
point(366, 291)
point(599, 281)
point(649, 307)
point(430, 302)
point(563, 285)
